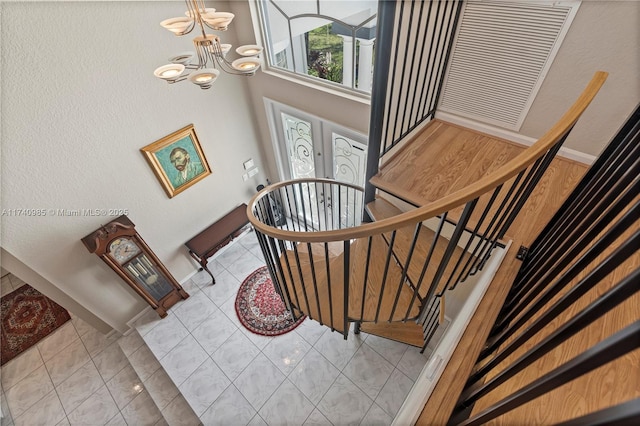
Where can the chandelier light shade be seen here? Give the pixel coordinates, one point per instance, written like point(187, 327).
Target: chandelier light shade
point(203, 66)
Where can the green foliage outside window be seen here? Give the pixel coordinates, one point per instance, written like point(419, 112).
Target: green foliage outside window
point(324, 54)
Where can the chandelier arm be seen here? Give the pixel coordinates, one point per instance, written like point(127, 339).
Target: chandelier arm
point(209, 50)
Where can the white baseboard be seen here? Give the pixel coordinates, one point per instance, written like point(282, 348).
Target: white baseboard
point(510, 135)
point(430, 375)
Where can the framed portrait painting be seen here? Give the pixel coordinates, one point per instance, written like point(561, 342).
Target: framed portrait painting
point(177, 160)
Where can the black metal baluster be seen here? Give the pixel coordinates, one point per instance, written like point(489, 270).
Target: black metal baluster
point(386, 271)
point(592, 202)
point(612, 298)
point(405, 269)
point(619, 149)
point(427, 261)
point(366, 277)
point(517, 300)
point(328, 266)
point(347, 269)
point(315, 282)
point(621, 254)
point(604, 352)
point(285, 255)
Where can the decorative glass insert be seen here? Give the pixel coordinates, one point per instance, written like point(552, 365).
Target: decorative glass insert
point(299, 146)
point(322, 40)
point(349, 163)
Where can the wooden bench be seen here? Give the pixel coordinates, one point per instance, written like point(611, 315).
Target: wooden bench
point(208, 242)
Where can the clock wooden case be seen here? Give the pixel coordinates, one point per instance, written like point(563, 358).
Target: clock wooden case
point(120, 246)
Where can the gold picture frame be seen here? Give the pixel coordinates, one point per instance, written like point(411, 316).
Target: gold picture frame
point(177, 160)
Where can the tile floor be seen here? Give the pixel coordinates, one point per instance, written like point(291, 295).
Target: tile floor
point(309, 376)
point(75, 376)
point(229, 375)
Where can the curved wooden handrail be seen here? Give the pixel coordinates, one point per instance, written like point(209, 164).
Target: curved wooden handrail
point(448, 202)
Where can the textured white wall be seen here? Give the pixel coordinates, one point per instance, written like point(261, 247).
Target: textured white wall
point(79, 100)
point(603, 37)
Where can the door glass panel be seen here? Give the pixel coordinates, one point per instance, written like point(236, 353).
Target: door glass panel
point(300, 153)
point(349, 163)
point(299, 146)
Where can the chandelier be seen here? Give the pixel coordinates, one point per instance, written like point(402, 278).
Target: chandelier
point(203, 66)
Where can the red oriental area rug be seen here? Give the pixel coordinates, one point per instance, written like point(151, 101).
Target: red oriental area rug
point(259, 307)
point(27, 317)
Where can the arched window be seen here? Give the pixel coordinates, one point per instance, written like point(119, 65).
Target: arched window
point(322, 40)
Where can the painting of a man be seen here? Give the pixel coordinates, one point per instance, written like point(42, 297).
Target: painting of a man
point(187, 169)
point(177, 160)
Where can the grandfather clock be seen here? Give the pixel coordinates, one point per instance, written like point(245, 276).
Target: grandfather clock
point(120, 246)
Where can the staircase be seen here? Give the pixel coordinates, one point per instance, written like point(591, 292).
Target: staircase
point(429, 233)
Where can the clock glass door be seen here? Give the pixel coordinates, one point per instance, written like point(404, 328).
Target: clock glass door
point(140, 268)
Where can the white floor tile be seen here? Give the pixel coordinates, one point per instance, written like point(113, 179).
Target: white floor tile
point(68, 362)
point(245, 265)
point(178, 413)
point(131, 342)
point(235, 354)
point(314, 375)
point(259, 381)
point(183, 360)
point(144, 362)
point(337, 350)
point(230, 254)
point(55, 343)
point(259, 340)
point(46, 412)
point(376, 416)
point(412, 362)
point(316, 418)
point(98, 409)
point(28, 391)
point(257, 421)
point(394, 392)
point(95, 341)
point(311, 330)
point(79, 386)
point(368, 370)
point(286, 351)
point(214, 331)
point(231, 408)
point(161, 388)
point(165, 336)
point(117, 420)
point(195, 310)
point(141, 411)
point(225, 288)
point(124, 386)
point(20, 367)
point(110, 361)
point(204, 386)
point(287, 406)
point(344, 403)
point(391, 350)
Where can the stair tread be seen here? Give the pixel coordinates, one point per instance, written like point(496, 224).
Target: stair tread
point(383, 209)
point(375, 276)
point(441, 160)
point(302, 291)
point(312, 297)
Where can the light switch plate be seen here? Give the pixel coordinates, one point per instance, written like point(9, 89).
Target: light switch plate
point(245, 177)
point(248, 164)
point(253, 172)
